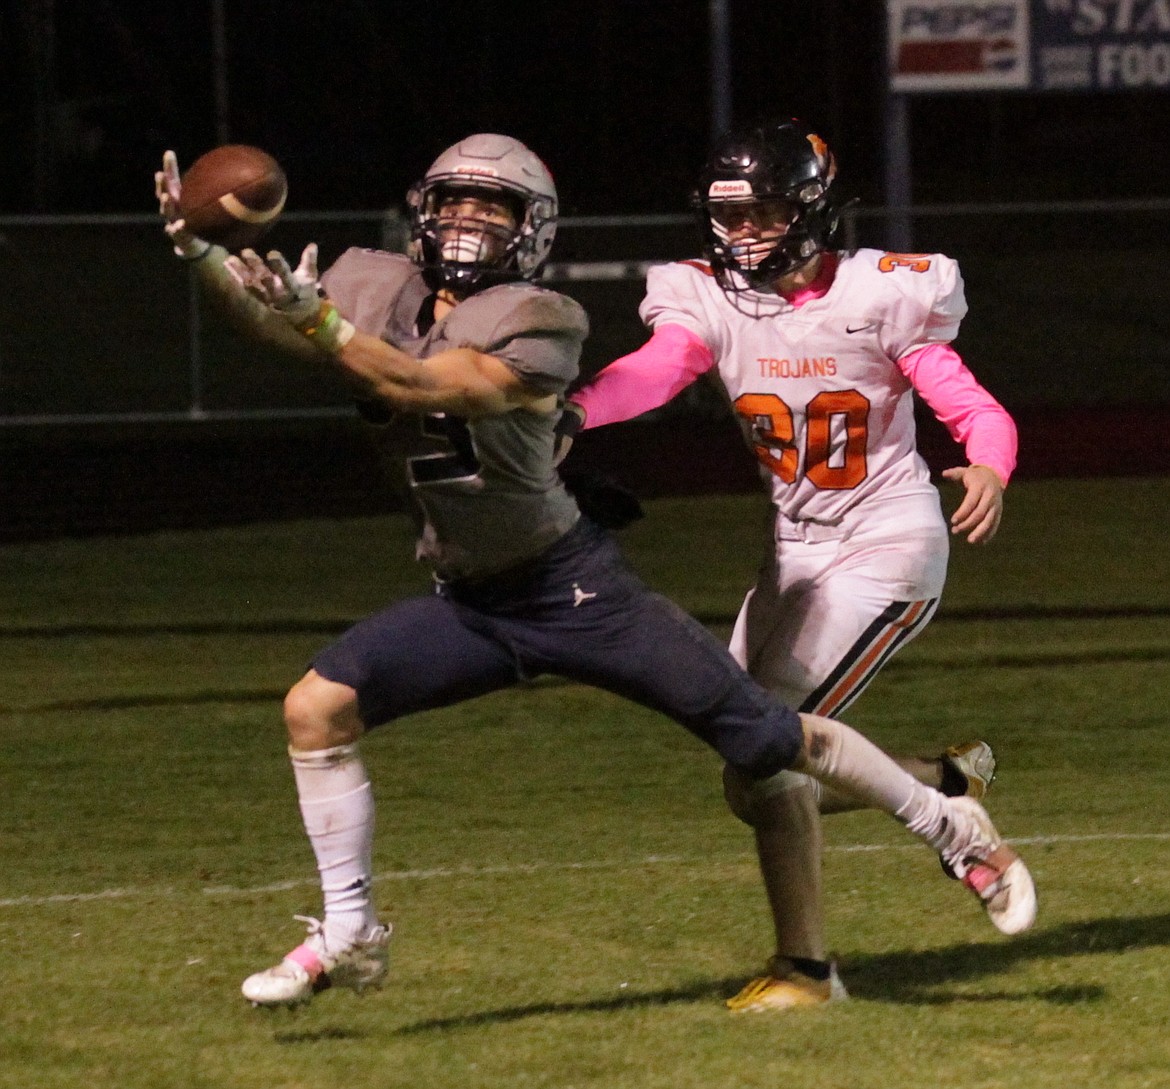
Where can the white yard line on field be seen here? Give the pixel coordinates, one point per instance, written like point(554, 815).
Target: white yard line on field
point(519, 869)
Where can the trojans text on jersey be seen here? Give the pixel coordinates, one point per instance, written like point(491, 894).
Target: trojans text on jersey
point(815, 367)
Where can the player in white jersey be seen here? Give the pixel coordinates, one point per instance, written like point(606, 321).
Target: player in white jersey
point(821, 353)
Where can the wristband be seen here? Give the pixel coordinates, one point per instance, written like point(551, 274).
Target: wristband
point(192, 258)
point(328, 330)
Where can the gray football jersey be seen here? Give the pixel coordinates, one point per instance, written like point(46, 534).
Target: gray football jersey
point(484, 492)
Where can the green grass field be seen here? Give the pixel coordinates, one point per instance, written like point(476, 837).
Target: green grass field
point(571, 900)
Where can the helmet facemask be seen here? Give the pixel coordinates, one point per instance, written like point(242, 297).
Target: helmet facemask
point(465, 249)
point(748, 231)
point(778, 177)
point(467, 246)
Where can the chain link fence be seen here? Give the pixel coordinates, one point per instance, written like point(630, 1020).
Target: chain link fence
point(99, 322)
point(125, 407)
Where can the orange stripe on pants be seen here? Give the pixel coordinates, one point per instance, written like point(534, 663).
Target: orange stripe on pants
point(875, 650)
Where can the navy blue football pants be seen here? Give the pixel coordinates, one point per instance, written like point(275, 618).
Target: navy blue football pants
point(578, 611)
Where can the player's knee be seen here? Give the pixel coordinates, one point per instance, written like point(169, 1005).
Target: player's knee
point(320, 714)
point(736, 788)
point(761, 803)
point(768, 741)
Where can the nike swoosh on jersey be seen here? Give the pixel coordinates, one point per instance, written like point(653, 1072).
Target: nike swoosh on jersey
point(861, 328)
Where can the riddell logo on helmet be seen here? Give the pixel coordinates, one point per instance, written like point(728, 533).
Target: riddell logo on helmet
point(737, 188)
point(487, 171)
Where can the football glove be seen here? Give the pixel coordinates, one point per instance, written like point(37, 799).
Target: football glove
point(169, 189)
point(293, 294)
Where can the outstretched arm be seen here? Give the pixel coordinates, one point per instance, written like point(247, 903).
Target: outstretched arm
point(978, 421)
point(280, 306)
point(645, 379)
point(460, 380)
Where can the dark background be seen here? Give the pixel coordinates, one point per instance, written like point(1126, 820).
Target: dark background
point(356, 97)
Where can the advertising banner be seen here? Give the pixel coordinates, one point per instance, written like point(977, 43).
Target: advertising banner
point(1028, 45)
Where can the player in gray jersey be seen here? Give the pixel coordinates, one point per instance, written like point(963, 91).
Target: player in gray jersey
point(482, 486)
point(462, 362)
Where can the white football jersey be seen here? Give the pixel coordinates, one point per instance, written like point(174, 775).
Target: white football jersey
point(816, 388)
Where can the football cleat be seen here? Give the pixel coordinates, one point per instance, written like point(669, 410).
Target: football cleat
point(968, 769)
point(978, 857)
point(783, 987)
point(313, 966)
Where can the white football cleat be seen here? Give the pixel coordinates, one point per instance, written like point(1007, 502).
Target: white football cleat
point(313, 967)
point(978, 857)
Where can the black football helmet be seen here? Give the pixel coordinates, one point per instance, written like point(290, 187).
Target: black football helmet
point(784, 171)
point(466, 256)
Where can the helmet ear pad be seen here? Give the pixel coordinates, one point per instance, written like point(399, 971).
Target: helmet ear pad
point(811, 232)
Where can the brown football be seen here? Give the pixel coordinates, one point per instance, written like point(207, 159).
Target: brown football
point(232, 195)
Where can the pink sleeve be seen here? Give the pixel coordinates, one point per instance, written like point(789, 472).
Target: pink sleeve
point(972, 416)
point(667, 363)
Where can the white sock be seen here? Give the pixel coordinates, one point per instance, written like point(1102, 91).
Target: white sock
point(845, 760)
point(337, 806)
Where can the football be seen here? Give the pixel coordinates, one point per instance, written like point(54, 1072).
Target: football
point(232, 195)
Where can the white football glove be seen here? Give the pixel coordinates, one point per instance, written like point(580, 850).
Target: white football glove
point(293, 294)
point(168, 188)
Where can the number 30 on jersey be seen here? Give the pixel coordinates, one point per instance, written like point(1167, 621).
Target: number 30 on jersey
point(836, 431)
